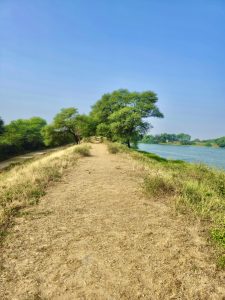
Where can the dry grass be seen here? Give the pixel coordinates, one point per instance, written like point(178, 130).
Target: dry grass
point(114, 148)
point(195, 189)
point(23, 185)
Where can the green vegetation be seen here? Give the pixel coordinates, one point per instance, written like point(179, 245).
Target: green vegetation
point(181, 139)
point(23, 185)
point(67, 127)
point(21, 136)
point(119, 116)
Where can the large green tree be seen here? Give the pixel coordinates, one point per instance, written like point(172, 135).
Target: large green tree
point(122, 115)
point(25, 134)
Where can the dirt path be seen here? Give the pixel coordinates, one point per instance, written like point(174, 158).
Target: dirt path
point(95, 236)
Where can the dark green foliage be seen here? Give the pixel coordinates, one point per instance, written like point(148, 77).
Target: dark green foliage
point(184, 139)
point(68, 127)
point(2, 128)
point(25, 134)
point(220, 142)
point(20, 136)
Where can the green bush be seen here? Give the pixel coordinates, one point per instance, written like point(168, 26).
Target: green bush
point(8, 150)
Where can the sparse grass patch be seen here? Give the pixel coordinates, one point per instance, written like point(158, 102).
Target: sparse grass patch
point(158, 186)
point(83, 150)
point(114, 148)
point(24, 184)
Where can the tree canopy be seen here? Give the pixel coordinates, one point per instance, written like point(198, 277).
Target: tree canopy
point(68, 127)
point(120, 115)
point(25, 133)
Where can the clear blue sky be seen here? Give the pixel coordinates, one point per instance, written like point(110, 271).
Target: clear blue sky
point(62, 53)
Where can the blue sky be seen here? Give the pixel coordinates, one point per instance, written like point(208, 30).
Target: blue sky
point(56, 54)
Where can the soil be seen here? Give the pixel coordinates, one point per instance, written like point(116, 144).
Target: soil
point(95, 235)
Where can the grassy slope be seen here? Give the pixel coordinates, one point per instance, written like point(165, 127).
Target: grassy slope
point(196, 189)
point(24, 184)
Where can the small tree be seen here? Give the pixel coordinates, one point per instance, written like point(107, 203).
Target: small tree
point(127, 125)
point(68, 127)
point(65, 122)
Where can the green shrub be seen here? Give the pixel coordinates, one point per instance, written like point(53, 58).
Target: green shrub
point(218, 235)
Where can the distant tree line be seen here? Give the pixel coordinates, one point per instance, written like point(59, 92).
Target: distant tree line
point(182, 139)
point(118, 116)
point(220, 142)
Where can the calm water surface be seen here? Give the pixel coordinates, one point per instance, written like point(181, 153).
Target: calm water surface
point(214, 157)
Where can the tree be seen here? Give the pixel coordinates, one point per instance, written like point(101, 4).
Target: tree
point(85, 126)
point(183, 137)
point(66, 123)
point(120, 115)
point(1, 126)
point(127, 125)
point(53, 137)
point(221, 142)
point(25, 134)
point(67, 127)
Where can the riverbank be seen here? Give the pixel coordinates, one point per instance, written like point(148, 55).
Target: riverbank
point(197, 144)
point(194, 189)
point(96, 235)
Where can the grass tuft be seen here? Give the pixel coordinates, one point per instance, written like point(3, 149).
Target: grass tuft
point(114, 148)
point(83, 150)
point(158, 186)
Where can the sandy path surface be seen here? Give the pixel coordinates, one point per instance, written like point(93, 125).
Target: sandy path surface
point(96, 236)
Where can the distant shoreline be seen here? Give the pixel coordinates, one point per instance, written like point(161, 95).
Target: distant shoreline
point(180, 144)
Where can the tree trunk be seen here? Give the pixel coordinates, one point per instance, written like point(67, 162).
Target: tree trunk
point(128, 143)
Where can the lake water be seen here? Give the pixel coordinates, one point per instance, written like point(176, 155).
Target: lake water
point(214, 157)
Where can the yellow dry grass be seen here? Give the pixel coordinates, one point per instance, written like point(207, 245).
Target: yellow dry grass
point(24, 184)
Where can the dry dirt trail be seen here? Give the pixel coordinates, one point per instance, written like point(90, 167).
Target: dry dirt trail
point(96, 236)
